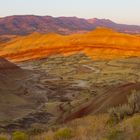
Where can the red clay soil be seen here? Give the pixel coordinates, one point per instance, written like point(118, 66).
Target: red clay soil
point(113, 97)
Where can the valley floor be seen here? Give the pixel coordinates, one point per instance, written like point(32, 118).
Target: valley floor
point(60, 89)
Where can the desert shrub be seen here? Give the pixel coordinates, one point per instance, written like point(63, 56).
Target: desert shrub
point(113, 116)
point(63, 134)
point(134, 102)
point(19, 136)
point(119, 113)
point(136, 123)
point(122, 111)
point(137, 135)
point(115, 134)
point(35, 131)
point(49, 138)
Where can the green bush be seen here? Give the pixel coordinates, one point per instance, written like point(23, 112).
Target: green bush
point(137, 135)
point(48, 138)
point(19, 136)
point(3, 138)
point(63, 133)
point(136, 123)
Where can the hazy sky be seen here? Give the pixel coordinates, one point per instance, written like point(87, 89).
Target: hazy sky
point(122, 11)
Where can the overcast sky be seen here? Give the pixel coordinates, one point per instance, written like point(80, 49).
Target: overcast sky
point(121, 11)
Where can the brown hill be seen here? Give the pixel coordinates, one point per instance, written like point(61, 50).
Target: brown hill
point(21, 25)
point(101, 43)
point(6, 65)
point(20, 96)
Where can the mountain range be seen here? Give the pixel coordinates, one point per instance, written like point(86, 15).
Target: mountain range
point(27, 24)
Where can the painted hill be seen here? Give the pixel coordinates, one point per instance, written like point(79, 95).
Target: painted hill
point(101, 43)
point(21, 25)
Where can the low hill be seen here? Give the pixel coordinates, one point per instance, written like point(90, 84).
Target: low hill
point(101, 43)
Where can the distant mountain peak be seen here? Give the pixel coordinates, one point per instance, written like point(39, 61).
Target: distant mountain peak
point(96, 20)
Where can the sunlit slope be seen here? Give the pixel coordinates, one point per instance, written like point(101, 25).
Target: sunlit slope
point(101, 43)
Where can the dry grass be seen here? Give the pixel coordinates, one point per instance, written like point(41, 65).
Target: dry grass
point(83, 129)
point(97, 128)
point(92, 128)
point(4, 136)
